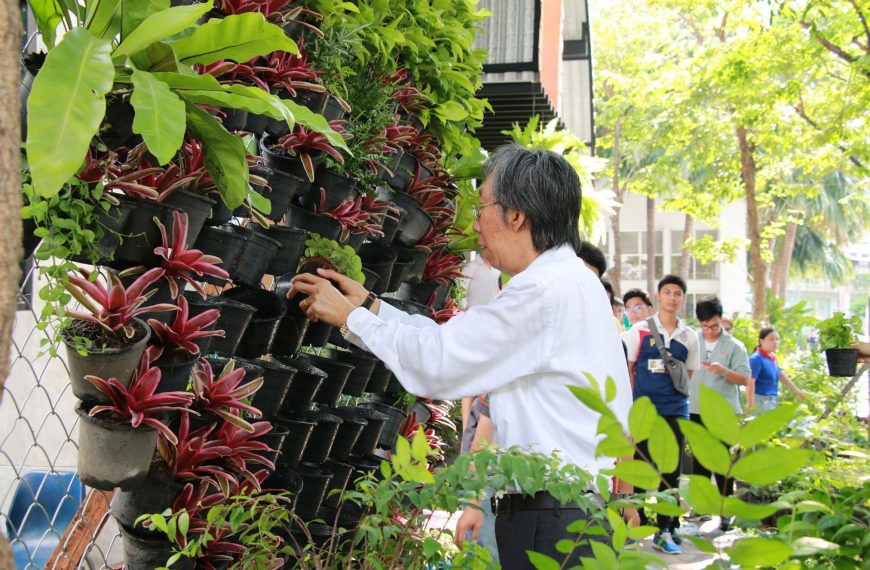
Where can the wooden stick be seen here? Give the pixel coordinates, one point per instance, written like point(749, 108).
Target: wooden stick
point(82, 531)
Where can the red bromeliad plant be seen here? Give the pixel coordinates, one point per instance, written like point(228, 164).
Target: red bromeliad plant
point(193, 167)
point(115, 307)
point(441, 267)
point(449, 311)
point(224, 397)
point(194, 456)
point(138, 405)
point(352, 215)
point(183, 333)
point(303, 143)
point(283, 70)
point(423, 148)
point(276, 11)
point(245, 448)
point(178, 262)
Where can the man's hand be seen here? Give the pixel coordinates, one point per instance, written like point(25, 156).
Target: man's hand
point(351, 289)
point(470, 520)
point(631, 517)
point(323, 302)
point(715, 368)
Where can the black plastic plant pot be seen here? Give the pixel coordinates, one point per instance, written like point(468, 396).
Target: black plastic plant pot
point(275, 440)
point(416, 222)
point(225, 243)
point(29, 241)
point(379, 379)
point(842, 361)
point(278, 159)
point(337, 373)
point(258, 253)
point(320, 443)
point(113, 454)
point(340, 478)
point(403, 172)
point(296, 440)
point(336, 186)
point(320, 534)
point(298, 217)
point(363, 363)
point(156, 494)
point(291, 331)
point(333, 111)
point(395, 417)
point(256, 124)
point(304, 386)
point(391, 222)
point(354, 240)
point(364, 465)
point(409, 307)
point(421, 412)
point(292, 240)
point(175, 370)
point(397, 275)
point(149, 553)
point(196, 305)
point(142, 235)
point(220, 214)
point(270, 308)
point(277, 378)
point(317, 334)
point(371, 432)
point(417, 257)
point(378, 257)
point(105, 363)
point(235, 120)
point(285, 479)
point(234, 321)
point(314, 100)
point(113, 221)
point(372, 279)
point(423, 292)
point(349, 433)
point(314, 484)
point(198, 208)
point(285, 187)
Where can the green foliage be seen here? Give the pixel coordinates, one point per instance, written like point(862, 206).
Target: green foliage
point(838, 331)
point(345, 259)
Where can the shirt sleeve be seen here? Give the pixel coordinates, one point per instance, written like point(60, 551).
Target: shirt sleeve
point(739, 360)
point(755, 367)
point(693, 359)
point(389, 313)
point(631, 340)
point(478, 351)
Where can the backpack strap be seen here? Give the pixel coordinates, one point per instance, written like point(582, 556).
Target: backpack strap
point(657, 336)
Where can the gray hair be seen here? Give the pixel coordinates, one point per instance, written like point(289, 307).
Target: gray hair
point(542, 185)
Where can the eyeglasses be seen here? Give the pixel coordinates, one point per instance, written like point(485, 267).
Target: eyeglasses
point(635, 309)
point(477, 210)
point(711, 327)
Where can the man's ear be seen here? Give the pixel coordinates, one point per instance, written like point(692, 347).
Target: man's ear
point(516, 219)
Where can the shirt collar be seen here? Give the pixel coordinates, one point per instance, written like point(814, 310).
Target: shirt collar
point(771, 357)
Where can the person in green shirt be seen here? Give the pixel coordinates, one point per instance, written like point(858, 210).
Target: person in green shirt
point(725, 367)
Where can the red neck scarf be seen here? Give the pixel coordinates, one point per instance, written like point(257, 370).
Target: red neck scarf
point(771, 357)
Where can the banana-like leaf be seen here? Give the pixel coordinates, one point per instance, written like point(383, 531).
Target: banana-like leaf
point(160, 26)
point(134, 12)
point(156, 57)
point(103, 18)
point(61, 127)
point(160, 115)
point(239, 38)
point(224, 156)
point(48, 14)
point(315, 122)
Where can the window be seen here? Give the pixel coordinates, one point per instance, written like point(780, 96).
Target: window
point(634, 263)
point(696, 270)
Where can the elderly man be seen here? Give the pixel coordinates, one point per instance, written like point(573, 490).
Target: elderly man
point(549, 326)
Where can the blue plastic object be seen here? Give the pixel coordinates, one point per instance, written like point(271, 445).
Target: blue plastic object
point(44, 504)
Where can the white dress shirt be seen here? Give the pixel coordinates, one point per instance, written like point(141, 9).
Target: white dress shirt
point(550, 325)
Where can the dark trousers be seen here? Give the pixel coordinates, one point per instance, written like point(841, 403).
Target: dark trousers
point(538, 530)
point(726, 486)
point(671, 480)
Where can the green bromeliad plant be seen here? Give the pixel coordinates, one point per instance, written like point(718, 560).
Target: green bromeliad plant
point(144, 51)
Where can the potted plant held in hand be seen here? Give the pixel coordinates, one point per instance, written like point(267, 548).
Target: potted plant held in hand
point(109, 340)
point(837, 334)
point(117, 440)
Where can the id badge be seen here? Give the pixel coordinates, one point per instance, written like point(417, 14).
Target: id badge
point(656, 365)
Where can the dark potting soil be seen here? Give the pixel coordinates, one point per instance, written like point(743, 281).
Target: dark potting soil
point(312, 264)
point(99, 337)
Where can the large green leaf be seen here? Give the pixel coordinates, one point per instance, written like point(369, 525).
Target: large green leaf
point(764, 426)
point(315, 122)
point(103, 18)
point(591, 398)
point(160, 116)
point(735, 507)
point(751, 552)
point(706, 448)
point(718, 415)
point(663, 447)
point(157, 57)
point(161, 25)
point(703, 496)
point(770, 465)
point(65, 107)
point(134, 12)
point(637, 473)
point(239, 38)
point(224, 156)
point(641, 419)
point(48, 14)
point(250, 99)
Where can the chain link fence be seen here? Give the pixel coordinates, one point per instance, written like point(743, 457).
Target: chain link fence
point(50, 518)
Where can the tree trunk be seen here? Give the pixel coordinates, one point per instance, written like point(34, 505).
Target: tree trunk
point(685, 258)
point(757, 263)
point(650, 243)
point(615, 273)
point(10, 194)
point(783, 261)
